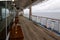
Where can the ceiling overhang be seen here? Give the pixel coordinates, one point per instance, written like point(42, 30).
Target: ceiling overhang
point(25, 3)
point(22, 4)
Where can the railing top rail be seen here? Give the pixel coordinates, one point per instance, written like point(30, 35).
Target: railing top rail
point(46, 17)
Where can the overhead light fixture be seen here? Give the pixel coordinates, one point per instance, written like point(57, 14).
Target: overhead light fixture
point(13, 0)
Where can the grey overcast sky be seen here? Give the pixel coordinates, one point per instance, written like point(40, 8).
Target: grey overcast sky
point(48, 5)
point(50, 8)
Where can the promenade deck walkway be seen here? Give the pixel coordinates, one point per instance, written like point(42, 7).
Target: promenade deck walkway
point(34, 32)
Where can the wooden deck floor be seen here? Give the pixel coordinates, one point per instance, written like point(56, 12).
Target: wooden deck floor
point(34, 32)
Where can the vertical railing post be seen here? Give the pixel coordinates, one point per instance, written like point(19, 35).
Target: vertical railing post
point(36, 18)
point(40, 20)
point(53, 25)
point(46, 22)
point(59, 26)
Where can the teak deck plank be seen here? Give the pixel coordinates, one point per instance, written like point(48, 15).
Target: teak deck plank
point(33, 32)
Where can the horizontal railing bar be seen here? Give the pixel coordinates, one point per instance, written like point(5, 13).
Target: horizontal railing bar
point(46, 17)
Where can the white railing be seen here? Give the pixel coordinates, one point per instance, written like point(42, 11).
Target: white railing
point(53, 24)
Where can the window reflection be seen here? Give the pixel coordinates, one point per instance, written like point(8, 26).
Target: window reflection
point(3, 13)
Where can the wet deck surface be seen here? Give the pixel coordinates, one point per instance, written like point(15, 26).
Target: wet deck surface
point(33, 32)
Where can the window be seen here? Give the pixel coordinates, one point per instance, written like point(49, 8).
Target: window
point(5, 13)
